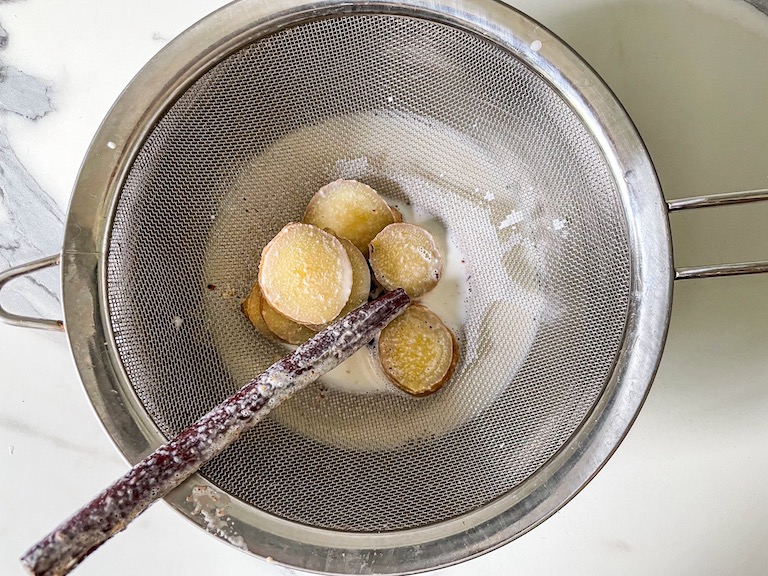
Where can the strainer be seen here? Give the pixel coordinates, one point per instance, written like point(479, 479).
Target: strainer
point(491, 130)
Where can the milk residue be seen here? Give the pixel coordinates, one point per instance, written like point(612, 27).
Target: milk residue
point(211, 505)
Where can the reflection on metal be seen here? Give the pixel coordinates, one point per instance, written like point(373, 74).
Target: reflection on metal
point(713, 271)
point(718, 200)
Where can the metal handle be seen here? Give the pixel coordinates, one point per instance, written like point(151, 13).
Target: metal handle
point(757, 267)
point(23, 270)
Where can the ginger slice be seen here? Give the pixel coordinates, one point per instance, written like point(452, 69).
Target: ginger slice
point(417, 351)
point(396, 214)
point(251, 307)
point(282, 327)
point(305, 274)
point(361, 277)
point(270, 322)
point(354, 210)
point(406, 256)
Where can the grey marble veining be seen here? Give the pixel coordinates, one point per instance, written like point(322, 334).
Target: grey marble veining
point(31, 223)
point(23, 94)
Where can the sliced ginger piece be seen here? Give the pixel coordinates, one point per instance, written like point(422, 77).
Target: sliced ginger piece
point(252, 309)
point(282, 327)
point(406, 256)
point(361, 278)
point(354, 210)
point(417, 351)
point(305, 274)
point(396, 214)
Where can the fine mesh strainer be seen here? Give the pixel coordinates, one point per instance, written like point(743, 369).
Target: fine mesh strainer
point(492, 132)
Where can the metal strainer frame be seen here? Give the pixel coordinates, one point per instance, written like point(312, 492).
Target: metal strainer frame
point(87, 318)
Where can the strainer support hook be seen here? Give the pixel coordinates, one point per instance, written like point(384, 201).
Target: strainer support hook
point(725, 199)
point(17, 272)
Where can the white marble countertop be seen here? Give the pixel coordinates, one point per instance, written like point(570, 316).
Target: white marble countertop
point(686, 493)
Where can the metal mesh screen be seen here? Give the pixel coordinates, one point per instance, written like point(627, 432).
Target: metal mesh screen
point(433, 117)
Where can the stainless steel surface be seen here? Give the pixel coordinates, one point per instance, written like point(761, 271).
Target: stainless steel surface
point(17, 272)
point(724, 199)
point(713, 200)
point(716, 270)
point(199, 116)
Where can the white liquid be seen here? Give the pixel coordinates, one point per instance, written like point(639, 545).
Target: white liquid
point(361, 373)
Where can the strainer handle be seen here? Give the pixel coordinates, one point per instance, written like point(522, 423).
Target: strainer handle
point(714, 270)
point(17, 272)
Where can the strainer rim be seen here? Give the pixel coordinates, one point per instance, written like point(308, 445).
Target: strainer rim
point(154, 90)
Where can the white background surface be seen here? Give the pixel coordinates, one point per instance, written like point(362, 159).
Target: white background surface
point(686, 493)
